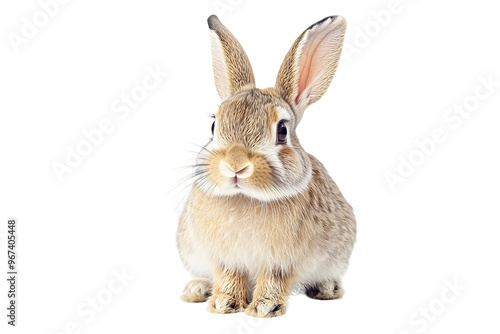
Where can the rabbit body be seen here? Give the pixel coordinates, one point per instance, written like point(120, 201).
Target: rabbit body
point(311, 234)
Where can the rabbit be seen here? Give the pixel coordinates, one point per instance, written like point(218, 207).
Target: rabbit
point(264, 217)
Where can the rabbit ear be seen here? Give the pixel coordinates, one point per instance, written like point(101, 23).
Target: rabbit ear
point(310, 64)
point(232, 69)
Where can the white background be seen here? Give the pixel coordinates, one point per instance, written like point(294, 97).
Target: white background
point(118, 208)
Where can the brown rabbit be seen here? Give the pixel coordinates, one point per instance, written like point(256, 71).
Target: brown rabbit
point(264, 216)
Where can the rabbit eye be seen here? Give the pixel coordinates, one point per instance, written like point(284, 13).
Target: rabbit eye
point(213, 128)
point(281, 133)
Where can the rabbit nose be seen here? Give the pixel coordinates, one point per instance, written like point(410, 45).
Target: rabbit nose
point(241, 172)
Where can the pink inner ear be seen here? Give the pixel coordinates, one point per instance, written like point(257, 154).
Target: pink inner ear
point(312, 60)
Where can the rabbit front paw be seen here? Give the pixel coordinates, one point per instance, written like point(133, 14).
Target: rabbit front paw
point(265, 308)
point(222, 303)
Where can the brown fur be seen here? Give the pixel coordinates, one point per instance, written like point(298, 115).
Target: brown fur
point(264, 216)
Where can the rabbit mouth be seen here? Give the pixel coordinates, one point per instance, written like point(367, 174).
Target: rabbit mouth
point(237, 184)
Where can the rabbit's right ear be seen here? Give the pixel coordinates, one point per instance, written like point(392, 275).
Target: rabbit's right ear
point(232, 68)
point(309, 66)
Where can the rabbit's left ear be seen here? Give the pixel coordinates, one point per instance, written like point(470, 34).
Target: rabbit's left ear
point(232, 69)
point(310, 64)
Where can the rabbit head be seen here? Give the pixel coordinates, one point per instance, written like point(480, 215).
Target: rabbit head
point(254, 150)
